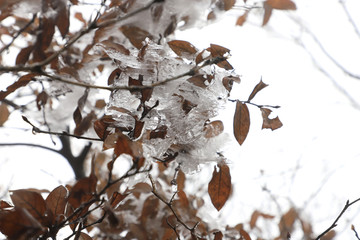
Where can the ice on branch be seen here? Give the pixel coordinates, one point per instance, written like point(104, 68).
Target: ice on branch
point(173, 119)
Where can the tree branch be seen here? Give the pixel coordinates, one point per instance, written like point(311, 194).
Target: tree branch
point(334, 224)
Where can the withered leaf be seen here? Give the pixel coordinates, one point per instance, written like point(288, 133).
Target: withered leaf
point(273, 124)
point(287, 221)
point(159, 132)
point(182, 48)
point(62, 18)
point(24, 55)
point(187, 106)
point(150, 209)
point(217, 50)
point(171, 27)
point(19, 224)
point(100, 126)
point(85, 124)
point(241, 122)
point(116, 198)
point(31, 201)
point(156, 12)
point(242, 19)
point(281, 4)
point(257, 89)
point(201, 80)
point(114, 76)
point(77, 116)
point(255, 216)
point(109, 43)
point(138, 128)
point(82, 191)
point(228, 82)
point(213, 129)
point(267, 13)
point(135, 35)
point(21, 82)
point(56, 203)
point(122, 145)
point(4, 204)
point(228, 4)
point(218, 235)
point(41, 99)
point(244, 235)
point(84, 236)
point(4, 113)
point(219, 187)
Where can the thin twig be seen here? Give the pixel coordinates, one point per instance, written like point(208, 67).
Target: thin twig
point(169, 205)
point(351, 20)
point(18, 34)
point(334, 224)
point(38, 130)
point(28, 145)
point(257, 105)
point(356, 234)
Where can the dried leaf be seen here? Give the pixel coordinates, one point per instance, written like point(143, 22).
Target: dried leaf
point(80, 17)
point(77, 116)
point(287, 221)
point(21, 82)
point(24, 55)
point(201, 80)
point(267, 13)
point(84, 236)
point(149, 210)
point(138, 129)
point(217, 50)
point(62, 17)
point(115, 75)
point(218, 235)
point(244, 235)
point(56, 203)
point(159, 132)
point(110, 44)
point(4, 204)
point(329, 236)
point(257, 89)
point(273, 124)
point(182, 48)
point(117, 198)
point(171, 27)
point(228, 82)
point(41, 99)
point(135, 35)
point(242, 19)
point(213, 129)
point(241, 122)
point(219, 187)
point(156, 12)
point(255, 216)
point(100, 103)
point(228, 4)
point(4, 114)
point(281, 4)
point(31, 201)
point(85, 124)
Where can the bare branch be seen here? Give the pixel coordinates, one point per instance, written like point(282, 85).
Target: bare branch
point(351, 20)
point(334, 224)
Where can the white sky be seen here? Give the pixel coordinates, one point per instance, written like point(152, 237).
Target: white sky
point(313, 158)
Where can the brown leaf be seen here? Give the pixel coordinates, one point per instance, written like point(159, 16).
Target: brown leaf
point(80, 106)
point(213, 129)
point(24, 55)
point(242, 19)
point(244, 235)
point(21, 82)
point(201, 80)
point(257, 89)
point(267, 13)
point(110, 44)
point(255, 216)
point(31, 201)
point(100, 126)
point(56, 203)
point(287, 221)
point(80, 17)
point(228, 4)
point(85, 124)
point(84, 236)
point(241, 122)
point(329, 236)
point(41, 99)
point(182, 48)
point(218, 235)
point(62, 17)
point(219, 187)
point(156, 12)
point(138, 128)
point(171, 27)
point(135, 35)
point(217, 50)
point(273, 124)
point(281, 4)
point(149, 210)
point(100, 103)
point(19, 224)
point(115, 75)
point(228, 82)
point(122, 145)
point(4, 204)
point(159, 132)
point(117, 198)
point(4, 114)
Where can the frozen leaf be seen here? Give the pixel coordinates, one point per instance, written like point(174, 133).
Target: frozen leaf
point(100, 126)
point(156, 12)
point(21, 82)
point(281, 4)
point(122, 145)
point(267, 13)
point(24, 55)
point(110, 44)
point(171, 27)
point(159, 132)
point(242, 19)
point(115, 75)
point(182, 48)
point(228, 82)
point(56, 203)
point(138, 128)
point(82, 191)
point(84, 236)
point(183, 199)
point(4, 205)
point(41, 99)
point(241, 122)
point(256, 89)
point(217, 50)
point(4, 114)
point(273, 124)
point(213, 129)
point(31, 201)
point(201, 80)
point(135, 35)
point(219, 187)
